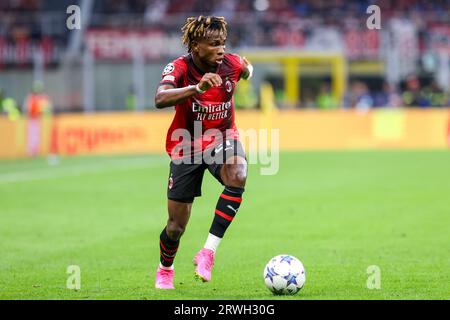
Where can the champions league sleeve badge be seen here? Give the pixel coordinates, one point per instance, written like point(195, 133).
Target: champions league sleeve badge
point(168, 69)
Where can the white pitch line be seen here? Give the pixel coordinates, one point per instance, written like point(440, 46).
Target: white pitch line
point(53, 172)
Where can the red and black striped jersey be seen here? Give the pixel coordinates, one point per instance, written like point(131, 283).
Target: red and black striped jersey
point(213, 109)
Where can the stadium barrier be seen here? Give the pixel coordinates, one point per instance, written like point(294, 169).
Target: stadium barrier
point(131, 133)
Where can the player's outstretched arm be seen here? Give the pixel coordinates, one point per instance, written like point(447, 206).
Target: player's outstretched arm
point(168, 96)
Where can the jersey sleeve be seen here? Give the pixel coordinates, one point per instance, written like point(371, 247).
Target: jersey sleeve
point(238, 64)
point(173, 73)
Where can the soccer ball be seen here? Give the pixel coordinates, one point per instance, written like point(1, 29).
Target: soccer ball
point(284, 275)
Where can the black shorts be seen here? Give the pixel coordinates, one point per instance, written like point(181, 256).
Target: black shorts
point(185, 180)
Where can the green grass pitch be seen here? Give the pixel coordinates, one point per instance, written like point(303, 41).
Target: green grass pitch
point(338, 212)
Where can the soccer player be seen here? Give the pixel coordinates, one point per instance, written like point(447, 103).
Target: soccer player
point(200, 85)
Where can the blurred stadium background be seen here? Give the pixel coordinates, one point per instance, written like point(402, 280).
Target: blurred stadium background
point(331, 85)
point(309, 55)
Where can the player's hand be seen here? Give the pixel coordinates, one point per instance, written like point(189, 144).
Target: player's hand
point(210, 80)
point(246, 62)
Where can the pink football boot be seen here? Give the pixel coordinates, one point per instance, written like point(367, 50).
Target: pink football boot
point(204, 261)
point(164, 279)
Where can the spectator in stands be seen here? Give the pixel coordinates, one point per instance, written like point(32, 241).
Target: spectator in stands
point(387, 97)
point(155, 11)
point(358, 96)
point(434, 96)
point(325, 99)
point(36, 105)
point(245, 96)
point(8, 106)
point(364, 100)
point(130, 99)
point(308, 100)
point(413, 96)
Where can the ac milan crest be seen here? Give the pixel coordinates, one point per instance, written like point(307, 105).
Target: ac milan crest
point(228, 86)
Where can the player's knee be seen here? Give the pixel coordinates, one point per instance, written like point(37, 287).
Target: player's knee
point(175, 230)
point(237, 179)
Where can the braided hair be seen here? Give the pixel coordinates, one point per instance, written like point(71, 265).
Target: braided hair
point(202, 27)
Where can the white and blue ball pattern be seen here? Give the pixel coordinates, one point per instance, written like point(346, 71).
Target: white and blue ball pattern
point(284, 275)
